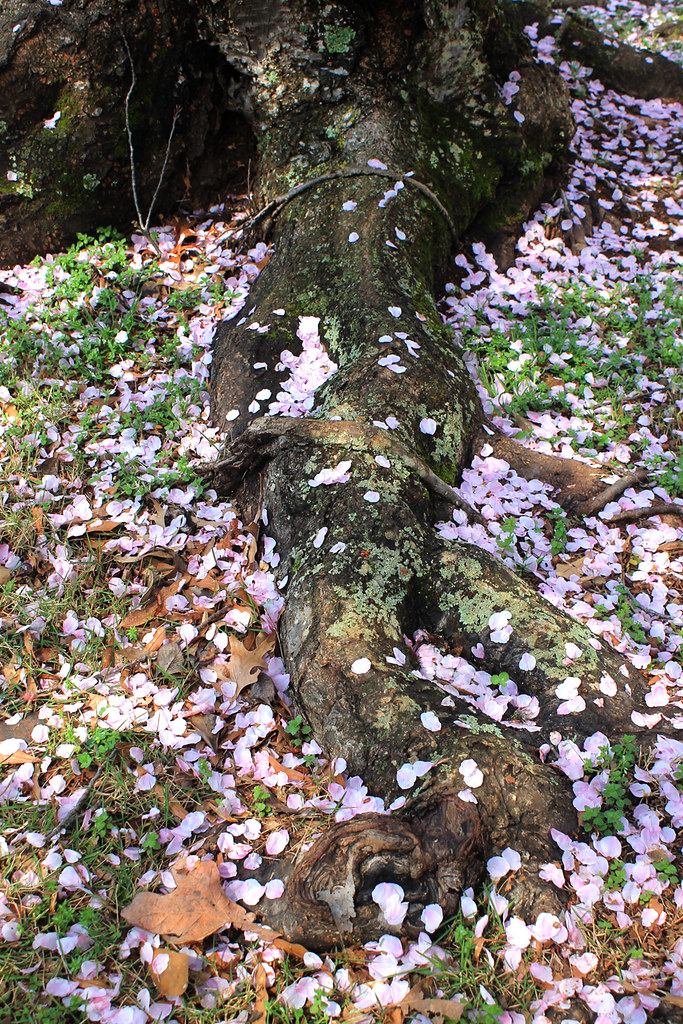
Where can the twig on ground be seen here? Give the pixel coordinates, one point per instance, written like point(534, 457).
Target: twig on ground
point(80, 804)
point(143, 222)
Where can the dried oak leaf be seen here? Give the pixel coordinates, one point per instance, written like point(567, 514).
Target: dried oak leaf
point(20, 730)
point(197, 907)
point(155, 603)
point(447, 1009)
point(170, 659)
point(244, 666)
point(568, 569)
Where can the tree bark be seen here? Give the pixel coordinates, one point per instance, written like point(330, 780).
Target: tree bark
point(417, 89)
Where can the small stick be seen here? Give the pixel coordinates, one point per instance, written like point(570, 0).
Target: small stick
point(634, 515)
point(275, 205)
point(143, 223)
point(77, 808)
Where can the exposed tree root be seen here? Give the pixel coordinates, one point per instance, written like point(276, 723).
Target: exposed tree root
point(577, 487)
point(381, 573)
point(621, 67)
point(635, 515)
point(362, 566)
point(433, 854)
point(596, 504)
point(394, 576)
point(262, 437)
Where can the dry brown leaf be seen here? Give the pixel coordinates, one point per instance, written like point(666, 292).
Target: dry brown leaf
point(209, 582)
point(37, 516)
point(18, 757)
point(205, 725)
point(176, 808)
point(91, 982)
point(170, 591)
point(126, 655)
point(5, 574)
point(158, 517)
point(251, 532)
point(293, 948)
point(292, 774)
point(673, 1000)
point(172, 981)
point(197, 907)
point(449, 1009)
point(101, 526)
point(157, 640)
point(259, 1014)
point(170, 659)
point(565, 570)
point(153, 607)
point(244, 666)
point(140, 616)
point(10, 670)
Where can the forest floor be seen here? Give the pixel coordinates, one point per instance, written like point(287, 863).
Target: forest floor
point(146, 727)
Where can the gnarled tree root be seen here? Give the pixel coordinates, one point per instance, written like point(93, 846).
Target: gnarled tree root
point(362, 567)
point(578, 487)
point(434, 854)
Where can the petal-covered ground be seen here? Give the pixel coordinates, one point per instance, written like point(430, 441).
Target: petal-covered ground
point(145, 725)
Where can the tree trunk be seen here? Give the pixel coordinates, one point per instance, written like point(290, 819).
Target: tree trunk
point(417, 89)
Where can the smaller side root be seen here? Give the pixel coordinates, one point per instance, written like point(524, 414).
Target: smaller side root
point(635, 515)
point(596, 504)
point(578, 487)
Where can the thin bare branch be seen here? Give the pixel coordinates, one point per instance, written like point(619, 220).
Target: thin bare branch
point(143, 222)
